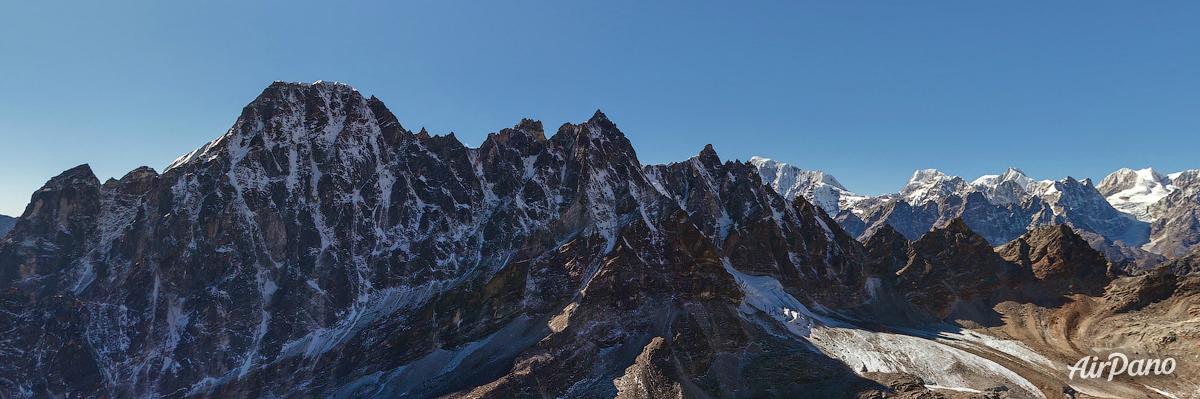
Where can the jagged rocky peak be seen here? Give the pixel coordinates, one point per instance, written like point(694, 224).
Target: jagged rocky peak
point(73, 192)
point(945, 267)
point(1010, 187)
point(319, 119)
point(1185, 178)
point(923, 177)
point(1057, 254)
point(531, 127)
point(708, 157)
point(818, 187)
point(1080, 205)
point(1126, 178)
point(888, 252)
point(63, 214)
point(600, 127)
point(729, 202)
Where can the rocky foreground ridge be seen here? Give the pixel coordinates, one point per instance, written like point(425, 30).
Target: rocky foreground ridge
point(320, 249)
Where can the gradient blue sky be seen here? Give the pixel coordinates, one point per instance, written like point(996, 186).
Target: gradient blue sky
point(868, 91)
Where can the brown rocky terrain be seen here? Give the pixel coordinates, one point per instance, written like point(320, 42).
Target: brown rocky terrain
point(1059, 301)
point(1185, 265)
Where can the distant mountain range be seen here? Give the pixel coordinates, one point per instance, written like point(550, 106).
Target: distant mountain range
point(1140, 216)
point(6, 224)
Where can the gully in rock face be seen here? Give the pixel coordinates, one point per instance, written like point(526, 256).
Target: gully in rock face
point(1117, 364)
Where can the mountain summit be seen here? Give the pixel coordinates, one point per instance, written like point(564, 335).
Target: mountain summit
point(820, 188)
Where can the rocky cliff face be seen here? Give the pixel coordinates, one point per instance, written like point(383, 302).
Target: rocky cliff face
point(1054, 261)
point(944, 268)
point(1176, 217)
point(1185, 265)
point(320, 248)
point(951, 272)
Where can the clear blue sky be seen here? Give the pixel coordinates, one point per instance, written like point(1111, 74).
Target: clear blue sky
point(868, 91)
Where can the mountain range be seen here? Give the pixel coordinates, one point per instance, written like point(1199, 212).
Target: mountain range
point(320, 249)
point(1137, 216)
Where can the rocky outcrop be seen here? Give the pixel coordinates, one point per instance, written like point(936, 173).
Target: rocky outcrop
point(1185, 265)
point(944, 268)
point(952, 266)
point(1055, 261)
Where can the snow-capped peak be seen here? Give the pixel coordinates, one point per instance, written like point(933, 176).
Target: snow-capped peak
point(292, 104)
point(929, 185)
point(818, 187)
point(1017, 176)
point(817, 175)
point(1011, 174)
point(1185, 178)
point(986, 180)
point(998, 192)
point(922, 177)
point(1133, 191)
